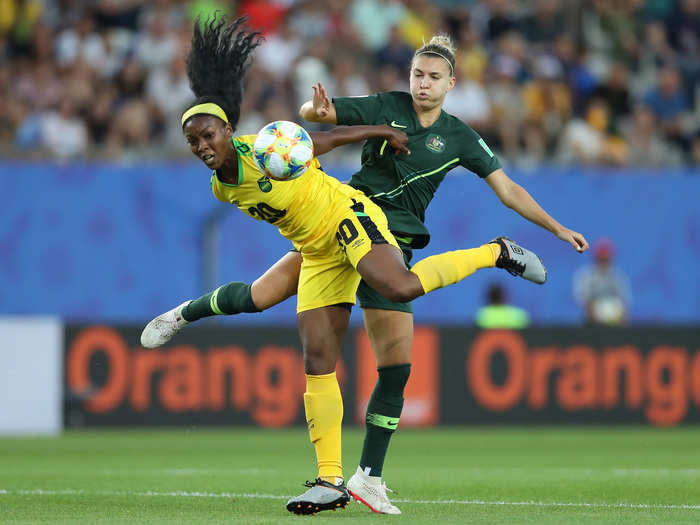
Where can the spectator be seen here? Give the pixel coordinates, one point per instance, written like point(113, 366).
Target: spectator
point(544, 25)
point(82, 42)
point(311, 21)
point(265, 15)
point(472, 57)
point(684, 35)
point(538, 74)
point(396, 52)
point(502, 19)
point(586, 140)
point(156, 46)
point(63, 132)
point(646, 146)
point(169, 90)
point(497, 314)
point(100, 113)
point(655, 53)
point(373, 20)
point(547, 101)
point(578, 75)
point(669, 103)
point(469, 100)
point(615, 92)
point(695, 150)
point(347, 78)
point(312, 68)
point(507, 111)
point(421, 18)
point(601, 290)
point(281, 50)
point(611, 32)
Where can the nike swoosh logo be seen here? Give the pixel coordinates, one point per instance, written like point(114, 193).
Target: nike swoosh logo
point(392, 423)
point(395, 125)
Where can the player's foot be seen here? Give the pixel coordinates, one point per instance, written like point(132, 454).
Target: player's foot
point(164, 327)
point(371, 491)
point(322, 495)
point(520, 261)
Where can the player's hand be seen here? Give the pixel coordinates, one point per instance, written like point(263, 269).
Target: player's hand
point(322, 102)
point(575, 239)
point(397, 140)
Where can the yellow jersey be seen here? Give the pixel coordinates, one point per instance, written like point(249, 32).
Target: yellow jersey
point(305, 209)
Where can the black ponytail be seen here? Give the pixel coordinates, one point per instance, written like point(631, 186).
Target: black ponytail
point(218, 60)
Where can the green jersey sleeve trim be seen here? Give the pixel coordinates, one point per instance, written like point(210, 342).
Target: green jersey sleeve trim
point(486, 148)
point(214, 303)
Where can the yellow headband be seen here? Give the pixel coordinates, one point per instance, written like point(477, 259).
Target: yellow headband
point(208, 108)
point(427, 52)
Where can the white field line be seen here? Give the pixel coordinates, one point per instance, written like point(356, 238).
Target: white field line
point(477, 471)
point(255, 495)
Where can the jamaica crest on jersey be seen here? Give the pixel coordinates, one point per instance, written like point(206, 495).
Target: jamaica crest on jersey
point(264, 184)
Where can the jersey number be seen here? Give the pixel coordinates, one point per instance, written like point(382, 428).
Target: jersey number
point(346, 233)
point(266, 212)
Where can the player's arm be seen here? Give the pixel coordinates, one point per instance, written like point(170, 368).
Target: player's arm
point(320, 108)
point(324, 141)
point(518, 199)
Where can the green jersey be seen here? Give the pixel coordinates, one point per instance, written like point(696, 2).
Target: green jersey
point(403, 185)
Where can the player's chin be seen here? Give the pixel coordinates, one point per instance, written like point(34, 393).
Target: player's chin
point(212, 163)
point(425, 102)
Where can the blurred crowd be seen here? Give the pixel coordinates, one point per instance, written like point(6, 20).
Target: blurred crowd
point(610, 82)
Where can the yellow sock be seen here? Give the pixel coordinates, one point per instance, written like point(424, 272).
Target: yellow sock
point(324, 416)
point(448, 268)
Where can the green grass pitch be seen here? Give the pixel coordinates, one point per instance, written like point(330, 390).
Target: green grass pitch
point(571, 474)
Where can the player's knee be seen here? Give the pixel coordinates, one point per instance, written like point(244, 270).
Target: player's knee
point(393, 351)
point(400, 290)
point(318, 360)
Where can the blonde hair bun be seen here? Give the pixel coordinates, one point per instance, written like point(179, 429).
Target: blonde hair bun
point(443, 40)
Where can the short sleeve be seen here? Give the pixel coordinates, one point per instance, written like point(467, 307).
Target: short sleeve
point(358, 110)
point(476, 156)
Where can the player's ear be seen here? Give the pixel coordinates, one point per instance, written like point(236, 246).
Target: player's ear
point(451, 83)
point(228, 129)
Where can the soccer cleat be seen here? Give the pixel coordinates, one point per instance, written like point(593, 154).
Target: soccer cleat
point(520, 261)
point(164, 327)
point(321, 495)
point(371, 491)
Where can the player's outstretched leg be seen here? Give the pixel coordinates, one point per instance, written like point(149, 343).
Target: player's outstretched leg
point(371, 491)
point(164, 327)
point(322, 495)
point(520, 261)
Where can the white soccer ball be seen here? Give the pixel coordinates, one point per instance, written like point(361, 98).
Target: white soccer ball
point(283, 150)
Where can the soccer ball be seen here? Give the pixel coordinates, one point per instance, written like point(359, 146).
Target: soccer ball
point(283, 150)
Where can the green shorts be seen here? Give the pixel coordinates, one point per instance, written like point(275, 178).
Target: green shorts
point(370, 298)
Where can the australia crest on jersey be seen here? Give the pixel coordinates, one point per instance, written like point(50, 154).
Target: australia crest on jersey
point(435, 143)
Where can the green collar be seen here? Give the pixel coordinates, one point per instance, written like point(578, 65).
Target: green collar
point(236, 145)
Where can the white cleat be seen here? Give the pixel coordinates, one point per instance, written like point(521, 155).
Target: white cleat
point(520, 261)
point(371, 491)
point(164, 327)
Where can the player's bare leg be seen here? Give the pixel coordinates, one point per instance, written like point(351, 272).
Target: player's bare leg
point(322, 331)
